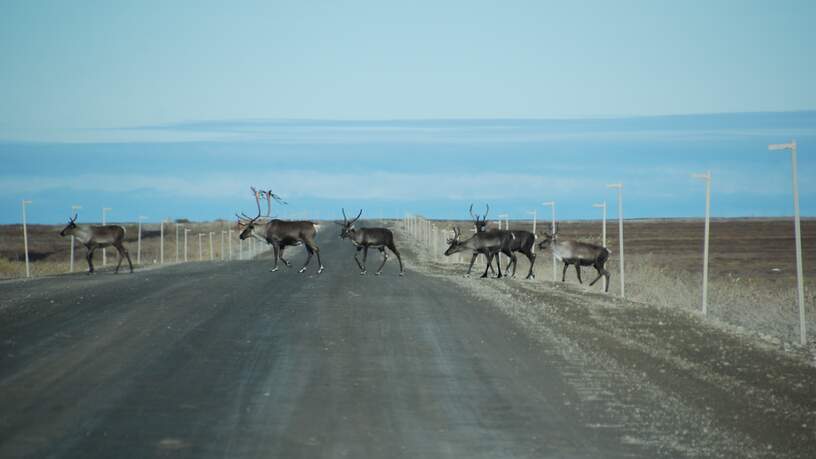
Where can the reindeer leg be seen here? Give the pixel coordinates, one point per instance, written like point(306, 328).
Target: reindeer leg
point(399, 258)
point(275, 256)
point(600, 273)
point(119, 259)
point(122, 254)
point(309, 252)
point(498, 266)
point(564, 273)
point(531, 257)
point(316, 250)
point(89, 257)
point(127, 255)
point(282, 247)
point(578, 271)
point(489, 261)
point(385, 258)
point(472, 260)
point(513, 261)
point(357, 260)
point(365, 257)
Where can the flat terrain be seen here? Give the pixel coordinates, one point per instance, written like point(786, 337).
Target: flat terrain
point(229, 360)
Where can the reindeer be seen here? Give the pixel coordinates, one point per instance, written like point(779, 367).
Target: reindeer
point(281, 233)
point(519, 241)
point(488, 243)
point(96, 236)
point(363, 238)
point(578, 254)
point(259, 229)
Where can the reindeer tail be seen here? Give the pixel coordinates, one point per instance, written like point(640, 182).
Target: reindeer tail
point(316, 227)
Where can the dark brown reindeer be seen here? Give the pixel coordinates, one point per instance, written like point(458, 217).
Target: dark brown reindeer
point(98, 236)
point(488, 243)
point(578, 254)
point(365, 238)
point(281, 233)
point(259, 229)
point(519, 241)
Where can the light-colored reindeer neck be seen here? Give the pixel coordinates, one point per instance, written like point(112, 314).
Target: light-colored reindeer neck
point(81, 233)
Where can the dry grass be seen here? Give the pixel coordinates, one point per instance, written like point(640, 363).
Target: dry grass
point(49, 253)
point(752, 282)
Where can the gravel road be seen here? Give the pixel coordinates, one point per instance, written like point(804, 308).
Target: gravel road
point(230, 360)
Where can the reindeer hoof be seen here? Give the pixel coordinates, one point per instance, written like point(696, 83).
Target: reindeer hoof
point(273, 269)
point(302, 269)
point(378, 273)
point(401, 273)
point(320, 270)
point(362, 273)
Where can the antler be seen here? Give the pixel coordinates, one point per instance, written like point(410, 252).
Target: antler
point(345, 219)
point(475, 218)
point(72, 220)
point(358, 216)
point(456, 233)
point(486, 211)
point(257, 195)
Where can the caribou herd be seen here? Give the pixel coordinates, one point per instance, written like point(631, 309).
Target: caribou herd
point(285, 233)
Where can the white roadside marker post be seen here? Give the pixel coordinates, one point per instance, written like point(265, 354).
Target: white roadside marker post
point(602, 205)
point(74, 209)
point(798, 234)
point(707, 177)
point(186, 230)
point(619, 187)
point(25, 202)
point(105, 210)
point(139, 241)
point(551, 204)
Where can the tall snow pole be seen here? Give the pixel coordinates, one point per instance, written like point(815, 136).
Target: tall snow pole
point(161, 242)
point(177, 241)
point(602, 205)
point(619, 187)
point(211, 246)
point(25, 202)
point(707, 178)
point(798, 234)
point(139, 242)
point(74, 209)
point(552, 231)
point(200, 249)
point(186, 230)
point(105, 210)
point(229, 242)
point(534, 213)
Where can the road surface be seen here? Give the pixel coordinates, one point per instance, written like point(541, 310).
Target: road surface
point(227, 359)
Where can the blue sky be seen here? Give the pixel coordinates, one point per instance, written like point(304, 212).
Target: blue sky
point(174, 108)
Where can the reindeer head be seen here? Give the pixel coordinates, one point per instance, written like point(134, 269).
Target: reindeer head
point(70, 227)
point(481, 224)
point(455, 245)
point(549, 239)
point(248, 223)
point(347, 230)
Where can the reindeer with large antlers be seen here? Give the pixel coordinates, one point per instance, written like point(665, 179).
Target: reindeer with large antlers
point(98, 236)
point(259, 229)
point(363, 238)
point(281, 233)
point(578, 254)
